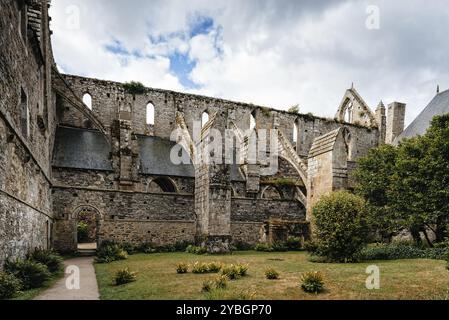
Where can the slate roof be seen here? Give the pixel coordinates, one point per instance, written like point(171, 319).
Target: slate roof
point(81, 149)
point(438, 106)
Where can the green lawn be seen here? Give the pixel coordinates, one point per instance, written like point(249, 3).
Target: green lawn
point(157, 278)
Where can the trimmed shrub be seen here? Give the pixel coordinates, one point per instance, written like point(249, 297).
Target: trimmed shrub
point(182, 268)
point(10, 286)
point(196, 250)
point(235, 271)
point(32, 274)
point(109, 252)
point(294, 244)
point(340, 226)
point(51, 259)
point(263, 247)
point(214, 267)
point(312, 282)
point(271, 274)
point(398, 251)
point(124, 276)
point(200, 267)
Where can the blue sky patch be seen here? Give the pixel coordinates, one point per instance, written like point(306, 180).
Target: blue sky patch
point(181, 66)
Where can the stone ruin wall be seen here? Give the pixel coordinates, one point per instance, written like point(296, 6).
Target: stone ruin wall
point(26, 217)
point(248, 215)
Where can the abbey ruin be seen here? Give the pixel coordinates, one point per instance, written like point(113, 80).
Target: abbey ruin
point(72, 146)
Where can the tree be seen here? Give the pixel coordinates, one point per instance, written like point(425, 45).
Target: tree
point(421, 181)
point(408, 187)
point(340, 226)
point(374, 179)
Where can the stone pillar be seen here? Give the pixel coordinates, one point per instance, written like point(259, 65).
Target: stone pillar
point(395, 121)
point(327, 167)
point(213, 192)
point(381, 119)
point(125, 146)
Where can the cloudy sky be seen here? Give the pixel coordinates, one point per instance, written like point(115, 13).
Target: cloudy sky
point(273, 53)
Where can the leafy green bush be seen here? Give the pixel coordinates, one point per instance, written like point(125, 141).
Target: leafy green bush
point(32, 274)
point(279, 247)
point(130, 248)
point(263, 247)
point(82, 232)
point(51, 259)
point(196, 250)
point(398, 251)
point(134, 87)
point(340, 226)
point(146, 247)
point(124, 276)
point(9, 286)
point(109, 252)
point(235, 271)
point(312, 282)
point(311, 246)
point(241, 246)
point(182, 268)
point(294, 243)
point(271, 274)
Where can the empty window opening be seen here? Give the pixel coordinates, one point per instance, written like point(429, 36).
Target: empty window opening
point(150, 114)
point(204, 119)
point(348, 113)
point(252, 121)
point(24, 114)
point(87, 99)
point(295, 133)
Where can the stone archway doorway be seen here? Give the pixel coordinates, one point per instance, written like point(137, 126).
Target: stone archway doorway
point(87, 228)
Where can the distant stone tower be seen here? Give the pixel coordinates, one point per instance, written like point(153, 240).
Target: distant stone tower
point(395, 121)
point(381, 119)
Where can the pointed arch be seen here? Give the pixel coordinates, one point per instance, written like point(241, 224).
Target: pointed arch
point(164, 184)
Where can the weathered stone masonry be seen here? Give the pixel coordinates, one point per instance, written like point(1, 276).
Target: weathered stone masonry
point(59, 158)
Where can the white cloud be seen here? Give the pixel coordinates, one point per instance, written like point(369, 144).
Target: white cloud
point(275, 53)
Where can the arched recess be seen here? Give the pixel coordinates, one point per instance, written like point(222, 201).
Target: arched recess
point(87, 99)
point(163, 185)
point(271, 193)
point(88, 221)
